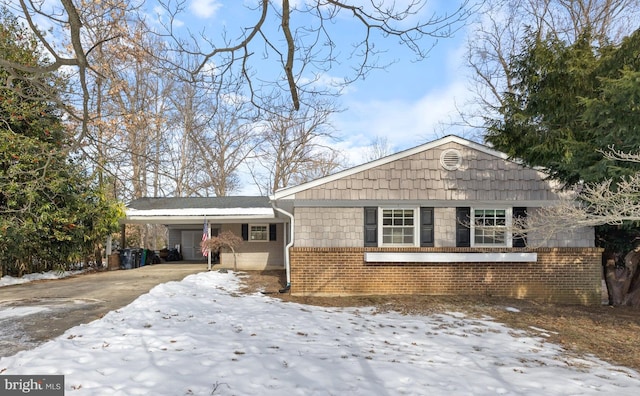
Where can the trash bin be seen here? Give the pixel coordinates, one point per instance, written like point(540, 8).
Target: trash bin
point(126, 258)
point(136, 255)
point(113, 262)
point(143, 257)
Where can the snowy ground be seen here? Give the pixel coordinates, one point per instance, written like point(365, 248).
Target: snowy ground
point(201, 337)
point(11, 280)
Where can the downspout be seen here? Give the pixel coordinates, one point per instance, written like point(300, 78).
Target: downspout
point(287, 265)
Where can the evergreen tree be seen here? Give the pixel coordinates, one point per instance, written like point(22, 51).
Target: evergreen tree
point(569, 104)
point(51, 213)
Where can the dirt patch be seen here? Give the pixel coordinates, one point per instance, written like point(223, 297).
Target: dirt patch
point(609, 333)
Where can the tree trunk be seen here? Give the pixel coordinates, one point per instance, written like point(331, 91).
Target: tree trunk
point(623, 283)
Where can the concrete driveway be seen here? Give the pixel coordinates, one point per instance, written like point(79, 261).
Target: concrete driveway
point(32, 313)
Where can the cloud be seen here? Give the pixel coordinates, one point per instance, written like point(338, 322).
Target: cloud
point(404, 123)
point(204, 8)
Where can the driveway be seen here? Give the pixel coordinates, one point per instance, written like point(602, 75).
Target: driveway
point(32, 313)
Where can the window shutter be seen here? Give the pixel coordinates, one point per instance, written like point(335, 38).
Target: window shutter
point(272, 232)
point(463, 229)
point(371, 226)
point(519, 240)
point(245, 232)
point(426, 227)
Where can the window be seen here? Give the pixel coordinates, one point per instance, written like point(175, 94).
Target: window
point(258, 232)
point(489, 227)
point(398, 227)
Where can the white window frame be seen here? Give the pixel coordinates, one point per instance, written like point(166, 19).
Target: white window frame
point(508, 238)
point(250, 231)
point(416, 227)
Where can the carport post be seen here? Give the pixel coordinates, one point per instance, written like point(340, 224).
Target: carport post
point(122, 235)
point(209, 255)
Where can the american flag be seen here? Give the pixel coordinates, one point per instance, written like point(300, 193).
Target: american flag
point(205, 236)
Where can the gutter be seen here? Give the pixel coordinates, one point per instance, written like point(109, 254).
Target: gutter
point(287, 264)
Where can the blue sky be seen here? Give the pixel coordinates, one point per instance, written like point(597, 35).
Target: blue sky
point(406, 103)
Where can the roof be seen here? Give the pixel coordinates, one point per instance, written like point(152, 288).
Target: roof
point(199, 202)
point(289, 192)
point(180, 210)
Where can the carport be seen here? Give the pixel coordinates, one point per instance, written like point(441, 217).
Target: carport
point(187, 219)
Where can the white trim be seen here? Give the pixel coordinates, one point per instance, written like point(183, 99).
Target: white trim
point(195, 215)
point(416, 226)
point(186, 212)
point(290, 192)
point(508, 242)
point(423, 257)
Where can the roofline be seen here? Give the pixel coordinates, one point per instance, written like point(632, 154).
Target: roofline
point(199, 219)
point(289, 193)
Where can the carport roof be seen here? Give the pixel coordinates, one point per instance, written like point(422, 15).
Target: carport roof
point(199, 202)
point(194, 210)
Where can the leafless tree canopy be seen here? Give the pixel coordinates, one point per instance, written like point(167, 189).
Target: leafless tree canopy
point(167, 109)
point(301, 44)
point(296, 147)
point(593, 205)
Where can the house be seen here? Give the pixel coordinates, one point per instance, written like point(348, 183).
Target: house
point(431, 220)
point(434, 220)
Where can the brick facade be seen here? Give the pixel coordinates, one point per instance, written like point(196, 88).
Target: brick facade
point(565, 275)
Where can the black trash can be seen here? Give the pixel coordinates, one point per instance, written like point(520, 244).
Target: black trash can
point(136, 257)
point(126, 258)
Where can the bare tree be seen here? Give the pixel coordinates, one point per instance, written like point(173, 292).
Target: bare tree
point(378, 148)
point(502, 25)
point(228, 140)
point(593, 205)
point(295, 148)
point(298, 37)
point(225, 240)
point(69, 46)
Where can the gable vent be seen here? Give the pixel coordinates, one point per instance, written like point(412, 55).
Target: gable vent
point(451, 159)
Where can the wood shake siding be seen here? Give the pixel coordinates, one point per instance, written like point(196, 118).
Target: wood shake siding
point(421, 177)
point(334, 227)
point(565, 275)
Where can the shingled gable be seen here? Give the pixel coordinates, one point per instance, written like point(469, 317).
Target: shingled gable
point(289, 193)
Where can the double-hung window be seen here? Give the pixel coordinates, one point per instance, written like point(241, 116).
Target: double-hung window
point(258, 232)
point(490, 227)
point(398, 226)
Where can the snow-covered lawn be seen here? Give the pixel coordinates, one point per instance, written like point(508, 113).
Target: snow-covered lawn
point(201, 337)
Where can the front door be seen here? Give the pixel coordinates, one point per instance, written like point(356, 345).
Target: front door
point(191, 245)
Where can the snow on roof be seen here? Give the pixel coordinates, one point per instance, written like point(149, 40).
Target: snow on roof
point(200, 212)
point(178, 210)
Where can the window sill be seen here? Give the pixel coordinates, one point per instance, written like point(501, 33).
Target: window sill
point(409, 257)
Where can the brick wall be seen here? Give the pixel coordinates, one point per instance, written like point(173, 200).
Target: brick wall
point(562, 275)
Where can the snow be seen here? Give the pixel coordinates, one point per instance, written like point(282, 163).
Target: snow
point(199, 212)
point(10, 280)
point(201, 336)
